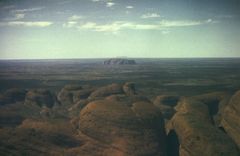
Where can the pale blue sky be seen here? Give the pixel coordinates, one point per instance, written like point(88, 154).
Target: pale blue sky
point(33, 29)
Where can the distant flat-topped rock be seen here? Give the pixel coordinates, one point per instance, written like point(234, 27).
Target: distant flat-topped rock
point(119, 61)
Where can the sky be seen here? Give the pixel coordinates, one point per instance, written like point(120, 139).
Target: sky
point(51, 29)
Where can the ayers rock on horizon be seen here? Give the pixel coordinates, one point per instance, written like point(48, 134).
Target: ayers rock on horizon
point(119, 61)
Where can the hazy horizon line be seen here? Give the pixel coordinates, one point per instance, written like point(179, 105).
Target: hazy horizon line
point(92, 58)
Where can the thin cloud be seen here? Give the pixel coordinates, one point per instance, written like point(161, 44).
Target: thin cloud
point(27, 24)
point(19, 16)
point(101, 0)
point(8, 7)
point(165, 32)
point(70, 24)
point(150, 15)
point(225, 16)
point(15, 17)
point(129, 7)
point(65, 2)
point(28, 10)
point(72, 21)
point(110, 4)
point(75, 18)
point(121, 25)
point(167, 23)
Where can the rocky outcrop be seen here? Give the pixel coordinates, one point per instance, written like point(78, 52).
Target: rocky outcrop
point(168, 100)
point(75, 109)
point(166, 104)
point(41, 98)
point(71, 94)
point(10, 119)
point(231, 118)
point(116, 120)
point(106, 91)
point(216, 103)
point(45, 112)
point(119, 61)
point(196, 133)
point(129, 88)
point(36, 137)
point(75, 97)
point(125, 128)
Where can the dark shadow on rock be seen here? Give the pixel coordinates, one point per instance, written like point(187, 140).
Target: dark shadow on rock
point(170, 101)
point(10, 120)
point(172, 144)
point(213, 108)
point(222, 129)
point(64, 141)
